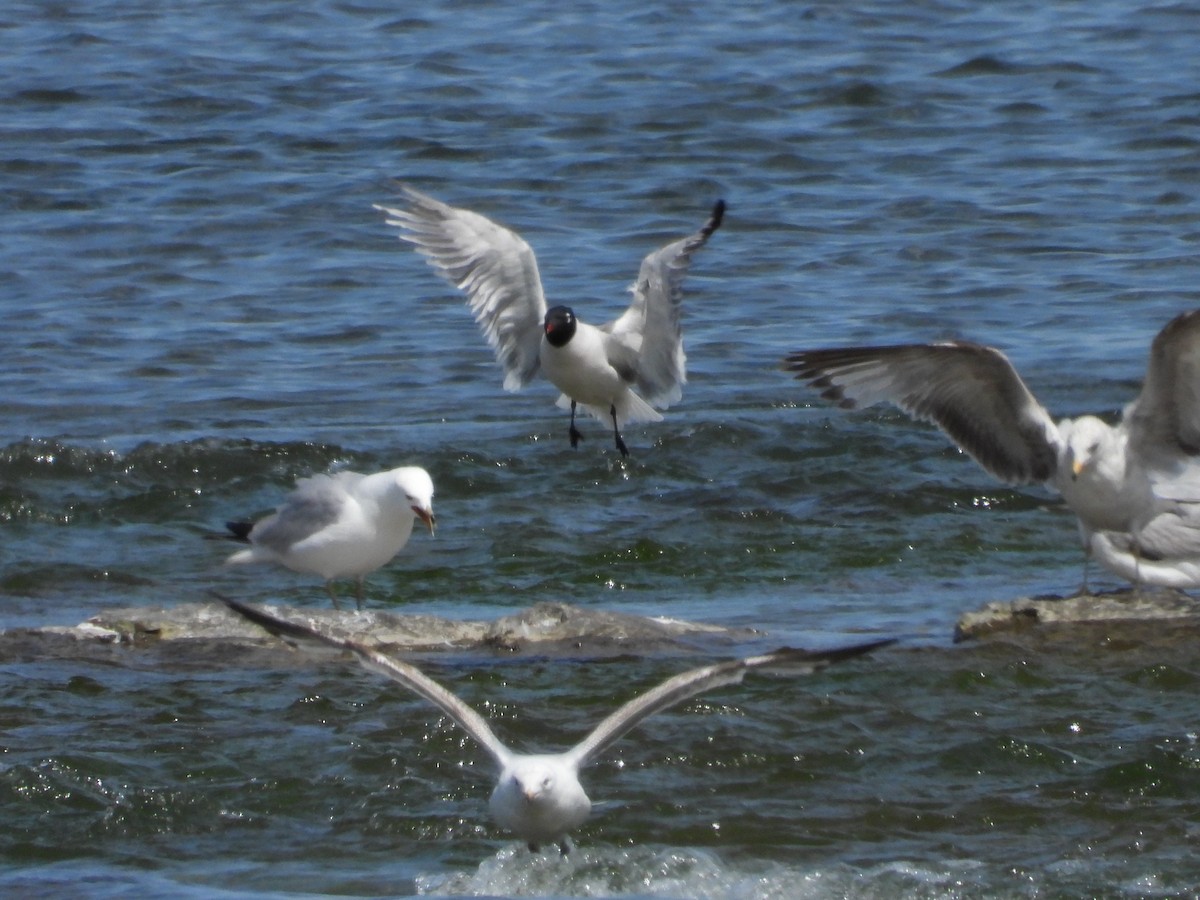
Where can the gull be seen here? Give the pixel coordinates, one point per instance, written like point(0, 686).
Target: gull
point(538, 796)
point(1135, 484)
point(344, 525)
point(596, 367)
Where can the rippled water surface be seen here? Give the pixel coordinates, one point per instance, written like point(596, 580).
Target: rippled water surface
point(200, 306)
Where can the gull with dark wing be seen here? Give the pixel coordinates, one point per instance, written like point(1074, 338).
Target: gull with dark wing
point(538, 796)
point(344, 525)
point(601, 368)
point(1138, 481)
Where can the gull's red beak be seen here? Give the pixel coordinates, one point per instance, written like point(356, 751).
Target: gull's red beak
point(426, 516)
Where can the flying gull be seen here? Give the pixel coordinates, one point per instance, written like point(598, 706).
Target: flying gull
point(538, 796)
point(596, 367)
point(344, 525)
point(1134, 487)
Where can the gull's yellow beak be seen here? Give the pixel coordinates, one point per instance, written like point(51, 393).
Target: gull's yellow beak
point(1077, 466)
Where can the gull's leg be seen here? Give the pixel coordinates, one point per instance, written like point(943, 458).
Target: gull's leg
point(1085, 590)
point(358, 591)
point(576, 437)
point(533, 848)
point(332, 594)
point(565, 846)
point(612, 411)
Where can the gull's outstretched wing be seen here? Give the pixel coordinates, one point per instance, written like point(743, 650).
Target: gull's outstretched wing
point(696, 681)
point(492, 265)
point(650, 327)
point(1164, 421)
point(397, 670)
point(970, 391)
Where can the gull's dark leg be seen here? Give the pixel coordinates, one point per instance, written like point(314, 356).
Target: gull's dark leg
point(332, 594)
point(576, 437)
point(612, 411)
point(565, 846)
point(358, 592)
point(533, 848)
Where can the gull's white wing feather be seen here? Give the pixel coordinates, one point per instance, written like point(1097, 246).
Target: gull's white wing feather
point(696, 681)
point(406, 674)
point(650, 328)
point(494, 267)
point(970, 391)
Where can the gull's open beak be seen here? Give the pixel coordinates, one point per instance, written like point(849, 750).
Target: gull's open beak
point(426, 516)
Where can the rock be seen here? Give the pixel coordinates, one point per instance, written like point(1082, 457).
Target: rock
point(544, 627)
point(563, 623)
point(1128, 605)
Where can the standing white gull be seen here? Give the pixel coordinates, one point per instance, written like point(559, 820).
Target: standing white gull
point(1138, 480)
point(344, 525)
point(538, 796)
point(598, 367)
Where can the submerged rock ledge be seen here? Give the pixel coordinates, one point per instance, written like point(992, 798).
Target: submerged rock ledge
point(544, 627)
point(1129, 607)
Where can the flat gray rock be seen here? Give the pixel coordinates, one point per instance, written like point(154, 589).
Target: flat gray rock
point(1130, 606)
point(544, 627)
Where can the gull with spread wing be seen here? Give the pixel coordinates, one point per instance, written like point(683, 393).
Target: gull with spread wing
point(344, 525)
point(596, 367)
point(538, 796)
point(1134, 486)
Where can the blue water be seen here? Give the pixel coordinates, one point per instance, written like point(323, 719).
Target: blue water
point(200, 306)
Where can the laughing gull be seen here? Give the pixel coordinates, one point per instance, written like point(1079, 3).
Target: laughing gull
point(1138, 481)
point(538, 796)
point(596, 367)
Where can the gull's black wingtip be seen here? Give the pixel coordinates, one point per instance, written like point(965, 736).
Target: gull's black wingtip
point(245, 611)
point(239, 531)
point(834, 654)
point(267, 622)
point(717, 217)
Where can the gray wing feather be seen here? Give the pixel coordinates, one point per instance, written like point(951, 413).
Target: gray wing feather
point(696, 681)
point(494, 267)
point(970, 391)
point(1164, 421)
point(316, 503)
point(651, 328)
point(407, 675)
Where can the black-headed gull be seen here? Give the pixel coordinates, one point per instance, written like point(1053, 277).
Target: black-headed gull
point(1139, 480)
point(344, 525)
point(538, 796)
point(596, 367)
